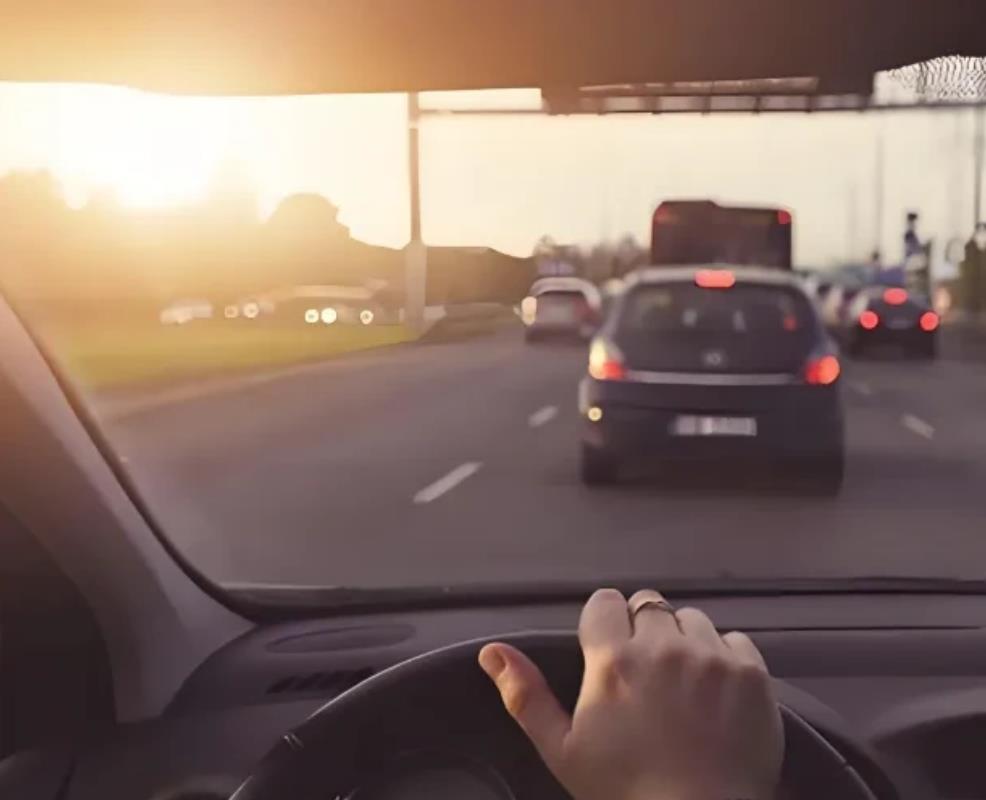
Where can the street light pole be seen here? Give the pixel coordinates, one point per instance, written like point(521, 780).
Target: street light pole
point(415, 254)
point(978, 144)
point(879, 189)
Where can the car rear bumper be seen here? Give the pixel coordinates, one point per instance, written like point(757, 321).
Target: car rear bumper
point(561, 330)
point(907, 337)
point(796, 421)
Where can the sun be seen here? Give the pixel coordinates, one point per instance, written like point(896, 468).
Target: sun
point(149, 150)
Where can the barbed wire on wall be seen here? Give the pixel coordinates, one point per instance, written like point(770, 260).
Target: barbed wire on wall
point(944, 78)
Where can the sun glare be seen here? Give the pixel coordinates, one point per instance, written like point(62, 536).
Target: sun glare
point(148, 150)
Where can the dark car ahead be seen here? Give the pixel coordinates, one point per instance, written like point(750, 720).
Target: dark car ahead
point(695, 363)
point(891, 316)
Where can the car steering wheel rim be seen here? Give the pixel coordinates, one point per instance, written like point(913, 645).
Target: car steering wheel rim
point(325, 755)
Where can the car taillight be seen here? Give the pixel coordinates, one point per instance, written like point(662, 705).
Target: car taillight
point(606, 362)
point(822, 371)
point(929, 321)
point(868, 320)
point(783, 217)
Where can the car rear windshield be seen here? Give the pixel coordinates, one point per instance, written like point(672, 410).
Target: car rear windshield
point(560, 296)
point(726, 237)
point(561, 299)
point(752, 327)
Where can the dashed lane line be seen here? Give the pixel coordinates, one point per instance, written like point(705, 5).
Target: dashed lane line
point(542, 416)
point(447, 482)
point(918, 426)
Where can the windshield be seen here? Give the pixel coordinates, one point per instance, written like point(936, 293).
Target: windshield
point(312, 380)
point(672, 325)
point(705, 233)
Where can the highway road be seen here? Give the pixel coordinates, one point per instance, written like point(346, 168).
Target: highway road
point(457, 463)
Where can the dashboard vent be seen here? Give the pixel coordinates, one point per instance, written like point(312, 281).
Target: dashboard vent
point(335, 682)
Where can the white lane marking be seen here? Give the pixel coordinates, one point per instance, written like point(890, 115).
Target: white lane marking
point(863, 388)
point(447, 483)
point(542, 416)
point(918, 426)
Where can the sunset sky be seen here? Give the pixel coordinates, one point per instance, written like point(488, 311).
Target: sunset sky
point(500, 181)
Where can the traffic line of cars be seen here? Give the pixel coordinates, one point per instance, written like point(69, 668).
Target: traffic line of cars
point(311, 305)
point(723, 362)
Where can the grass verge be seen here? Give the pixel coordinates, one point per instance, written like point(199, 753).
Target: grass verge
point(115, 356)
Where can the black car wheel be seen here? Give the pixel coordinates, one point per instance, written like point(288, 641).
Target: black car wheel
point(598, 468)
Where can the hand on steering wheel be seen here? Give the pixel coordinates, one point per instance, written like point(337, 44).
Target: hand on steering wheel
point(668, 709)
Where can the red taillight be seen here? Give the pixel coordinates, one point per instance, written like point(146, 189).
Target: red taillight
point(608, 371)
point(665, 214)
point(606, 362)
point(868, 320)
point(895, 296)
point(929, 321)
point(715, 279)
point(822, 371)
point(783, 217)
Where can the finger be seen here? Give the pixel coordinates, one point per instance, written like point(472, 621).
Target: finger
point(650, 621)
point(697, 625)
point(605, 621)
point(528, 699)
point(744, 649)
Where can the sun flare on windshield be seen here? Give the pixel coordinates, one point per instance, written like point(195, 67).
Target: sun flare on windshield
point(148, 151)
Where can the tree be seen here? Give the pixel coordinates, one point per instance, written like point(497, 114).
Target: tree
point(310, 245)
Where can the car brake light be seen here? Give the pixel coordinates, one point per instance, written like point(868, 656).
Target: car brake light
point(665, 214)
point(929, 321)
point(895, 296)
point(606, 362)
point(868, 320)
point(822, 371)
point(715, 279)
point(783, 217)
point(584, 311)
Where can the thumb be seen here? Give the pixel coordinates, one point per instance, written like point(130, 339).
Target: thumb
point(528, 699)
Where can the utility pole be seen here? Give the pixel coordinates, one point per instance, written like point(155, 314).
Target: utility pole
point(978, 144)
point(415, 254)
point(879, 187)
point(852, 214)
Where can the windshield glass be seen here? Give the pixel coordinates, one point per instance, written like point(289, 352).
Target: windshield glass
point(705, 233)
point(310, 379)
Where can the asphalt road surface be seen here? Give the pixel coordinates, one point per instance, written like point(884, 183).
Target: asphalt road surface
point(457, 463)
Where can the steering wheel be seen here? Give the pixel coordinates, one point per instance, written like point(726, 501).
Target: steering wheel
point(431, 708)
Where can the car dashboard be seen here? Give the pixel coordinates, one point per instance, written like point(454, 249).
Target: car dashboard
point(896, 682)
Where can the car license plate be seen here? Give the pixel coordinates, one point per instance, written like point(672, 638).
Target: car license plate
point(900, 324)
point(688, 425)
